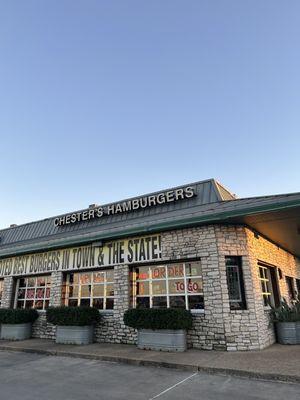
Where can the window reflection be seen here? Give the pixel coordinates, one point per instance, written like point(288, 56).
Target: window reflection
point(33, 292)
point(90, 289)
point(177, 285)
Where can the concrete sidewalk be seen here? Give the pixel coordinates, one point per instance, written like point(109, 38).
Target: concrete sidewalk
point(274, 363)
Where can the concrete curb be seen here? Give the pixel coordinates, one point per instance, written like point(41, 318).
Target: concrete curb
point(152, 363)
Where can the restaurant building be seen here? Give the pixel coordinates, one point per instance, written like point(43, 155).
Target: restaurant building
point(196, 246)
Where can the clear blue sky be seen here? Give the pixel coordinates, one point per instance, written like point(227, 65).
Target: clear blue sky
point(102, 100)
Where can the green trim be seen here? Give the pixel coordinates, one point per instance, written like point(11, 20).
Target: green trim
point(175, 224)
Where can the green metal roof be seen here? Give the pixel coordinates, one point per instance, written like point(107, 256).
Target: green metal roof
point(276, 217)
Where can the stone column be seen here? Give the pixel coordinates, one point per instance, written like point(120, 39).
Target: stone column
point(123, 333)
point(111, 329)
point(56, 289)
point(121, 290)
point(241, 326)
point(208, 330)
point(41, 329)
point(8, 292)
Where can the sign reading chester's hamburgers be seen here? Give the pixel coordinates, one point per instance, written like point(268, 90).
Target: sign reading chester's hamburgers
point(127, 206)
point(135, 250)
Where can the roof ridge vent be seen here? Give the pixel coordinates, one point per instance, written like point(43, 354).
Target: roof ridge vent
point(94, 205)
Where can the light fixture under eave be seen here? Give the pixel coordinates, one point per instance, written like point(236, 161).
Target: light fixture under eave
point(97, 244)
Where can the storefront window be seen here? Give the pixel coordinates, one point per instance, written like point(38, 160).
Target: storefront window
point(172, 285)
point(1, 291)
point(33, 292)
point(90, 289)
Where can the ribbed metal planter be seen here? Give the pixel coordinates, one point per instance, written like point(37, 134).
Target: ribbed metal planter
point(287, 332)
point(16, 331)
point(162, 339)
point(298, 331)
point(75, 334)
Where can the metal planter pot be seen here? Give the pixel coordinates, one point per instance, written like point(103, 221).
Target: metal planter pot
point(16, 331)
point(287, 332)
point(75, 334)
point(298, 331)
point(162, 339)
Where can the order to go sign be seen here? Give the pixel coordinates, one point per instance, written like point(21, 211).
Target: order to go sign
point(191, 286)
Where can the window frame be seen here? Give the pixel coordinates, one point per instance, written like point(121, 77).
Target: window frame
point(269, 284)
point(241, 302)
point(1, 290)
point(289, 281)
point(298, 286)
point(134, 281)
point(45, 299)
point(92, 284)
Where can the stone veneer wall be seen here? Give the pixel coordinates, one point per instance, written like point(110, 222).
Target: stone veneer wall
point(240, 325)
point(111, 329)
point(41, 329)
point(208, 330)
point(263, 250)
point(8, 292)
point(219, 327)
point(251, 329)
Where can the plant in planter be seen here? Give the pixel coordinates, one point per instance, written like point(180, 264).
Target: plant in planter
point(160, 329)
point(16, 324)
point(287, 322)
point(75, 325)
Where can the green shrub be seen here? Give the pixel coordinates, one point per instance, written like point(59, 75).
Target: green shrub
point(286, 313)
point(76, 316)
point(152, 318)
point(17, 316)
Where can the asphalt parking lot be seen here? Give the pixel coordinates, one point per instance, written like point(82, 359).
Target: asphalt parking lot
point(27, 376)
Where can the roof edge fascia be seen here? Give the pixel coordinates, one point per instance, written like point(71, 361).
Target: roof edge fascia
point(70, 241)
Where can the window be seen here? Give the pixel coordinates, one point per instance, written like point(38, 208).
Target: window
point(290, 286)
point(172, 285)
point(1, 291)
point(269, 285)
point(235, 283)
point(90, 289)
point(33, 292)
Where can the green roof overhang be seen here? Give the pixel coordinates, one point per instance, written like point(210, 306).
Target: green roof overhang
point(279, 222)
